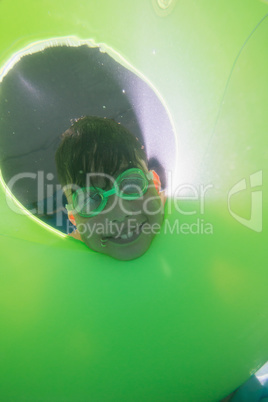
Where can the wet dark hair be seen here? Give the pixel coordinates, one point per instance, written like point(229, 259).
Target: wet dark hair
point(96, 145)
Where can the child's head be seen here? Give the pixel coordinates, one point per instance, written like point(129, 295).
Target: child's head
point(95, 155)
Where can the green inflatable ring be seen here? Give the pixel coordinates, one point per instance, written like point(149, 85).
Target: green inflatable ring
point(188, 320)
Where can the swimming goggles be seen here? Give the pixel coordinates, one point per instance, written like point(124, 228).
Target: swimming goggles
point(129, 185)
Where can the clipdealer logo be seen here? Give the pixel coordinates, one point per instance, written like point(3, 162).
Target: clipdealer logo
point(255, 221)
point(185, 192)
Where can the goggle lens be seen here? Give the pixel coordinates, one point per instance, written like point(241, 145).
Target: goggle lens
point(132, 186)
point(87, 201)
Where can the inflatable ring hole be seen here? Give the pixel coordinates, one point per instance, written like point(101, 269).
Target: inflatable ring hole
point(45, 91)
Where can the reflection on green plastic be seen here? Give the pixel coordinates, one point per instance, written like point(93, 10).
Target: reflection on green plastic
point(188, 320)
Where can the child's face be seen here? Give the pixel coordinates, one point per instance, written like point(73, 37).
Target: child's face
point(125, 228)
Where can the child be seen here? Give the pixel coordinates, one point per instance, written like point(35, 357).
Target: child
point(113, 200)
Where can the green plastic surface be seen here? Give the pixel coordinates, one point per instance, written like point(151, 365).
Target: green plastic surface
point(188, 320)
